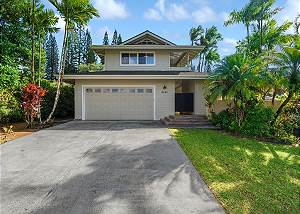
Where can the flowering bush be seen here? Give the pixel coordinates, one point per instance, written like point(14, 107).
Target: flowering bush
point(31, 99)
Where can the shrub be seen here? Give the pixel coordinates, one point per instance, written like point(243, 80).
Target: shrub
point(31, 99)
point(223, 119)
point(65, 106)
point(10, 107)
point(258, 121)
point(11, 81)
point(287, 122)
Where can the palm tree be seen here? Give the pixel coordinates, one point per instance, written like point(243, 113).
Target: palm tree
point(195, 36)
point(209, 54)
point(45, 22)
point(245, 16)
point(288, 60)
point(234, 78)
point(73, 12)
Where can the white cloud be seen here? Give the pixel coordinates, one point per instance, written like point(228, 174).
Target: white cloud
point(111, 9)
point(176, 12)
point(152, 14)
point(160, 5)
point(204, 14)
point(227, 46)
point(172, 12)
point(102, 31)
point(60, 24)
point(290, 10)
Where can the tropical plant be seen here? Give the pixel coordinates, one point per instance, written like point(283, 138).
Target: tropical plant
point(235, 78)
point(73, 12)
point(209, 55)
point(288, 60)
point(245, 16)
point(196, 34)
point(31, 99)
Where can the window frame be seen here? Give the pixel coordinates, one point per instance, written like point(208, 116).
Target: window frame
point(138, 52)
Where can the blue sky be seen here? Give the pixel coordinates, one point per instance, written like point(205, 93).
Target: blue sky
point(171, 19)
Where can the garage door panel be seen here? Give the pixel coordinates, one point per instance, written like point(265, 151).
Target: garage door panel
point(121, 103)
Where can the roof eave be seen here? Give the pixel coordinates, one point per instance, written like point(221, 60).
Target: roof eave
point(135, 77)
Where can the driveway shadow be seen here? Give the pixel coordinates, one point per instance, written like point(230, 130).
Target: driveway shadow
point(112, 178)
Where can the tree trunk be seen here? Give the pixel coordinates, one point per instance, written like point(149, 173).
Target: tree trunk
point(61, 73)
point(248, 37)
point(285, 102)
point(273, 97)
point(198, 67)
point(32, 41)
point(202, 62)
point(261, 35)
point(39, 81)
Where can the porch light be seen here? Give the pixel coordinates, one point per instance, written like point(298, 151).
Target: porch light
point(164, 89)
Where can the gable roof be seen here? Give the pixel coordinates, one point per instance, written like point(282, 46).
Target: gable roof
point(149, 36)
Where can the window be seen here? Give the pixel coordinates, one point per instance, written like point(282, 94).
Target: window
point(137, 59)
point(97, 90)
point(89, 90)
point(132, 58)
point(123, 90)
point(114, 90)
point(125, 58)
point(131, 90)
point(149, 90)
point(106, 90)
point(140, 90)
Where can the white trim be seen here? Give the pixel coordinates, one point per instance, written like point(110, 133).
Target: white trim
point(147, 32)
point(150, 77)
point(137, 52)
point(83, 87)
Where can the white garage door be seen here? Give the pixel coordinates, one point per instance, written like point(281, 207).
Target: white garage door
point(119, 103)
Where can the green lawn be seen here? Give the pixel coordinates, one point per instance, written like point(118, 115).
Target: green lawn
point(247, 176)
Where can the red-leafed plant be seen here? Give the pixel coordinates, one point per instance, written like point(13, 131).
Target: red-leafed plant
point(31, 99)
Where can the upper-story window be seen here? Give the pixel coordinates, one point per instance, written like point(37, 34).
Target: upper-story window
point(137, 58)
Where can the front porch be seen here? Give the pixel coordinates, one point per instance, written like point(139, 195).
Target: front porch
point(189, 98)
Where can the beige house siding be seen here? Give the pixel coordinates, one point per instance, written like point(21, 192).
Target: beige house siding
point(164, 102)
point(112, 61)
point(199, 97)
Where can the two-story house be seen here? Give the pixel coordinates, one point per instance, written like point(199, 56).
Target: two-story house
point(145, 78)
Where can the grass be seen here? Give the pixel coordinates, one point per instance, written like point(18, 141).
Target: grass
point(246, 176)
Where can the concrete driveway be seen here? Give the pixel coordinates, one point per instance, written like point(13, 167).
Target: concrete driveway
point(101, 167)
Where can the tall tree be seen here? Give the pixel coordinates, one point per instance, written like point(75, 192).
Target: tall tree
point(91, 57)
point(119, 40)
point(15, 42)
point(105, 39)
point(115, 38)
point(52, 57)
point(245, 16)
point(196, 34)
point(73, 12)
point(81, 47)
point(209, 55)
point(288, 60)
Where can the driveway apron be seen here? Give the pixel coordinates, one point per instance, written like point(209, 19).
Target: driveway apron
point(101, 167)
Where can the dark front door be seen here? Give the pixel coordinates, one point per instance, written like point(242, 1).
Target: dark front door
point(184, 102)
